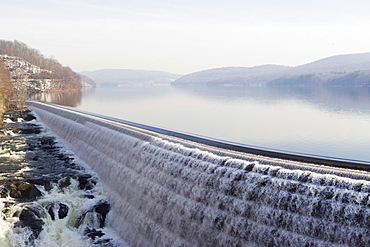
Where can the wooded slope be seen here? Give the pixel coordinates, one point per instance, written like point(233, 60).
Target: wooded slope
point(35, 70)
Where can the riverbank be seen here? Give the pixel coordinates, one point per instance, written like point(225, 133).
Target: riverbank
point(47, 197)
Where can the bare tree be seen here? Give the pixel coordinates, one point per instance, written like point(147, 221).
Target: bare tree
point(62, 78)
point(6, 88)
point(20, 91)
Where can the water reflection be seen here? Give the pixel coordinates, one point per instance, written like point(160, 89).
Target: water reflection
point(350, 99)
point(315, 120)
point(71, 98)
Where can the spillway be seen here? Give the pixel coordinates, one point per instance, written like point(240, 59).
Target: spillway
point(167, 191)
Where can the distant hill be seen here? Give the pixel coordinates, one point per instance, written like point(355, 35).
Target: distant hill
point(341, 70)
point(233, 75)
point(117, 77)
point(338, 64)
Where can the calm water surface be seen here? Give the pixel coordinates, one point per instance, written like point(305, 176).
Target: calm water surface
point(322, 121)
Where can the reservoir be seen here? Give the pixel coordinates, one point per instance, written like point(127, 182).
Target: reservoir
point(322, 121)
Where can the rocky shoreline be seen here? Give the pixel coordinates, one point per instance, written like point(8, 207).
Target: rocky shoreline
point(33, 163)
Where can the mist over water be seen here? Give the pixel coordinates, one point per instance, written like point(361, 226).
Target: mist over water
point(321, 121)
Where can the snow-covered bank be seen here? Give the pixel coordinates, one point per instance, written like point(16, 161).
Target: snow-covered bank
point(166, 193)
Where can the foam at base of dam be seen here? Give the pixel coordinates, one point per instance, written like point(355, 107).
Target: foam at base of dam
point(166, 193)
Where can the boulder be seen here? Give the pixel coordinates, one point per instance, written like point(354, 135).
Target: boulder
point(60, 207)
point(64, 182)
point(24, 191)
point(102, 208)
point(86, 182)
point(31, 218)
point(45, 182)
point(29, 116)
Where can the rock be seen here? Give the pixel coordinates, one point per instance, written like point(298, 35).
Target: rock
point(41, 181)
point(63, 157)
point(29, 116)
point(62, 210)
point(64, 182)
point(31, 218)
point(29, 130)
point(86, 182)
point(93, 233)
point(3, 192)
point(49, 166)
point(47, 141)
point(102, 208)
point(51, 211)
point(89, 196)
point(7, 209)
point(24, 191)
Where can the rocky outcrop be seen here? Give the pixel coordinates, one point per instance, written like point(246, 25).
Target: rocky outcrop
point(33, 165)
point(31, 218)
point(100, 210)
point(24, 191)
point(57, 209)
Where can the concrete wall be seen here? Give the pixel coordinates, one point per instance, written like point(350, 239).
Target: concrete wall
point(170, 193)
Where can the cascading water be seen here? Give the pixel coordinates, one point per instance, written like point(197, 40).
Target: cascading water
point(59, 228)
point(167, 193)
point(47, 197)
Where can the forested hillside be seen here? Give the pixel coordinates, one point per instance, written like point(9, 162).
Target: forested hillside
point(29, 68)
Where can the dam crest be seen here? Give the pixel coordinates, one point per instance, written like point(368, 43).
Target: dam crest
point(166, 191)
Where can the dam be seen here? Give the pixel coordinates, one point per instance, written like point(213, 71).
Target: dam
point(169, 190)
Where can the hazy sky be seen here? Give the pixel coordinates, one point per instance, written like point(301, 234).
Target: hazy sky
point(189, 35)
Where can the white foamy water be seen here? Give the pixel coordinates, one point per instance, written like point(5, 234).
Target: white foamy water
point(57, 232)
point(66, 214)
point(168, 193)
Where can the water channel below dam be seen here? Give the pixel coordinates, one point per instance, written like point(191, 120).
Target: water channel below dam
point(167, 191)
point(48, 197)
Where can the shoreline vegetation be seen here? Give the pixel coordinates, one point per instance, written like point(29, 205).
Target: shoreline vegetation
point(34, 166)
point(6, 89)
point(24, 71)
point(29, 65)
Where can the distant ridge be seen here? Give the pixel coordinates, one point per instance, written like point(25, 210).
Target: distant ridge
point(119, 77)
point(233, 75)
point(338, 63)
point(340, 70)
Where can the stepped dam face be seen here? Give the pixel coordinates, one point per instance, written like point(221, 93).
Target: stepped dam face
point(169, 192)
